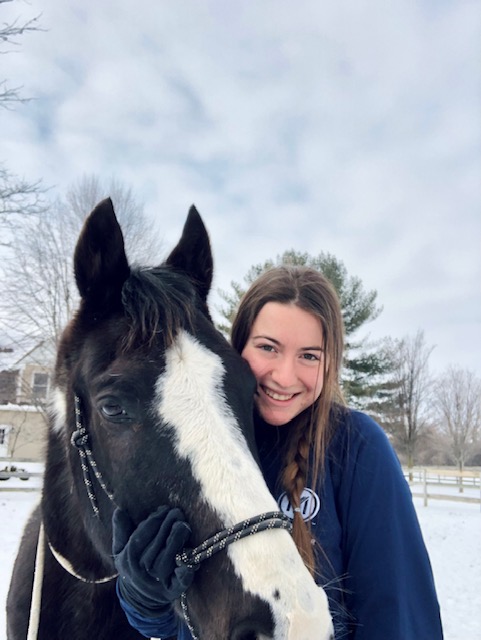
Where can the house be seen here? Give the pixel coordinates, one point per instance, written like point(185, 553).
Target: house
point(24, 385)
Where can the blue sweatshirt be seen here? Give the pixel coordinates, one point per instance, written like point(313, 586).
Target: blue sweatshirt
point(372, 562)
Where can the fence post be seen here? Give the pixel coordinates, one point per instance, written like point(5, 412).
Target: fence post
point(425, 487)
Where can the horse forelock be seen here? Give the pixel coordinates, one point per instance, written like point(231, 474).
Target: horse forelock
point(157, 302)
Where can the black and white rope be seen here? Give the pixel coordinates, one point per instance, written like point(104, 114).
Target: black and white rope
point(222, 539)
point(80, 439)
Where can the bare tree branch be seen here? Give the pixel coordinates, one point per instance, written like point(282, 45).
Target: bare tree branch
point(9, 34)
point(17, 196)
point(10, 31)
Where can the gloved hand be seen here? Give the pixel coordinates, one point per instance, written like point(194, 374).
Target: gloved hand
point(149, 578)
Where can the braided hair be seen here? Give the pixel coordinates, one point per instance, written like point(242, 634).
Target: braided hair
point(310, 431)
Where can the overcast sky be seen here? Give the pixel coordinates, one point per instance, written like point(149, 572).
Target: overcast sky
point(352, 127)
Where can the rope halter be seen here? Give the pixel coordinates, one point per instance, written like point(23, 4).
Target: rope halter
point(219, 541)
point(189, 557)
point(81, 440)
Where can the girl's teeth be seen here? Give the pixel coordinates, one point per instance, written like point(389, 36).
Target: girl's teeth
point(277, 396)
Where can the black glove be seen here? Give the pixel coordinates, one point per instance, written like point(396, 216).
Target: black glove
point(149, 578)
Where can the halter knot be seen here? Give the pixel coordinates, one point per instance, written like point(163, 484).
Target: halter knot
point(79, 438)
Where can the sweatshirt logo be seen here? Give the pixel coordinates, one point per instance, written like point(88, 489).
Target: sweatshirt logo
point(309, 507)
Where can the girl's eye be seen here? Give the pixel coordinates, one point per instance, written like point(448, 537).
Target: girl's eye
point(266, 347)
point(311, 357)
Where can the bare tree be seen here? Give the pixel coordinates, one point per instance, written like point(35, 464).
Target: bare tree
point(17, 195)
point(457, 395)
point(37, 290)
point(9, 41)
point(408, 418)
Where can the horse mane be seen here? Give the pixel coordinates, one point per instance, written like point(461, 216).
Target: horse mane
point(156, 300)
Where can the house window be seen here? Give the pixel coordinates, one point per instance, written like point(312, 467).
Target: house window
point(40, 385)
point(8, 386)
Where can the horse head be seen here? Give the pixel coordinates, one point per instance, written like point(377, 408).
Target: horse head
point(150, 390)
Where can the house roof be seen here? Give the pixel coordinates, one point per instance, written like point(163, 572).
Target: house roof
point(8, 358)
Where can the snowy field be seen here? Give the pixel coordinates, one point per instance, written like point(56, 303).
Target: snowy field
point(452, 532)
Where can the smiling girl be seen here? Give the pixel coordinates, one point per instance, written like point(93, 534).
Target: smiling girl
point(333, 470)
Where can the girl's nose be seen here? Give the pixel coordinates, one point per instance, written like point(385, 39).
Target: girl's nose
point(283, 373)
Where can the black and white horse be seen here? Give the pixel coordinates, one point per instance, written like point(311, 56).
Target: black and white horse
point(150, 407)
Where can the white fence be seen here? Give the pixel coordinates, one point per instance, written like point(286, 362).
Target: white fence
point(445, 484)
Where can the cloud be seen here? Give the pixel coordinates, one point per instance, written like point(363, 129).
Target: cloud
point(344, 127)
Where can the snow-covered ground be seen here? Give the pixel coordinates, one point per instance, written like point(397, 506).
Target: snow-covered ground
point(452, 533)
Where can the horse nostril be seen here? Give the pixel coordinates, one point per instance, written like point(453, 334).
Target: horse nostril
point(255, 624)
point(245, 633)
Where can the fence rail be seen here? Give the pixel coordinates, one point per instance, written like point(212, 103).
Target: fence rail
point(429, 477)
point(20, 475)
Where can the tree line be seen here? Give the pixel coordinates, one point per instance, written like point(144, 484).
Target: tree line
point(430, 419)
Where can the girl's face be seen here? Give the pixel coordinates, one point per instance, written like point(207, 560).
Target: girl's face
point(285, 350)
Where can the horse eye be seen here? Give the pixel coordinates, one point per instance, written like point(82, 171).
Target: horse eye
point(113, 410)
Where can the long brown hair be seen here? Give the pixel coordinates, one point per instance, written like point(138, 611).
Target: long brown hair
point(311, 291)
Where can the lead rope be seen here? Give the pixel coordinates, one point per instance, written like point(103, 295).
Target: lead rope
point(219, 541)
point(35, 605)
point(68, 567)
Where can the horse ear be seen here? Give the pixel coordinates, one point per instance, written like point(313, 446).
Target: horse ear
point(193, 255)
point(100, 262)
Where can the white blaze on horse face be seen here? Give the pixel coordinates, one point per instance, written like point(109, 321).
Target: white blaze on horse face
point(191, 400)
